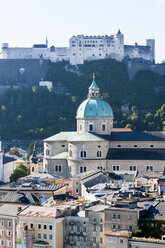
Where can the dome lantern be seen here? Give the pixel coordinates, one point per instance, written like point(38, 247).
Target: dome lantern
point(94, 114)
point(94, 91)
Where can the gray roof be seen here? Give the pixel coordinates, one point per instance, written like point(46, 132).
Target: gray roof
point(136, 154)
point(19, 197)
point(62, 136)
point(10, 209)
point(135, 136)
point(87, 136)
point(157, 212)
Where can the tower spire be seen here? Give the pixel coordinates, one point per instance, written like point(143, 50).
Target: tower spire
point(94, 91)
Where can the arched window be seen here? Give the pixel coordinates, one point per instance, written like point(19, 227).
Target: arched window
point(83, 154)
point(91, 127)
point(99, 154)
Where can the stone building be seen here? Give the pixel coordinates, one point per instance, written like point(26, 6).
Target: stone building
point(84, 48)
point(97, 146)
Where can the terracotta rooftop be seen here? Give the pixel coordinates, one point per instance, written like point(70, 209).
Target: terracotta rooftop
point(41, 212)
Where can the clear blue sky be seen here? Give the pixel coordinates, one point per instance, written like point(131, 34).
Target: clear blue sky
point(24, 22)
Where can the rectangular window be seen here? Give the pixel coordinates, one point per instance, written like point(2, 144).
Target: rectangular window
point(9, 244)
point(94, 240)
point(109, 239)
point(113, 226)
point(99, 154)
point(130, 228)
point(59, 168)
point(50, 236)
point(116, 167)
point(103, 127)
point(113, 216)
point(121, 241)
point(132, 168)
point(39, 235)
point(45, 236)
point(2, 242)
point(91, 127)
point(83, 169)
point(50, 227)
point(9, 233)
point(101, 240)
point(149, 168)
point(39, 226)
point(2, 223)
point(45, 227)
point(130, 217)
point(114, 239)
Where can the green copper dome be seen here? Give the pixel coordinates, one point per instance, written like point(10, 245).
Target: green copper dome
point(94, 108)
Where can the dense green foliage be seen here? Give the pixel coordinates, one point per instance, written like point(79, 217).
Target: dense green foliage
point(20, 171)
point(36, 113)
point(30, 150)
point(152, 228)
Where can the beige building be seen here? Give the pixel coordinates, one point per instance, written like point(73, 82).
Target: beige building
point(40, 227)
point(96, 145)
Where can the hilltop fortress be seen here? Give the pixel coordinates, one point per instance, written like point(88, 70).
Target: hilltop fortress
point(84, 48)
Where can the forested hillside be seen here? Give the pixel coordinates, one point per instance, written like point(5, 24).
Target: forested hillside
point(29, 113)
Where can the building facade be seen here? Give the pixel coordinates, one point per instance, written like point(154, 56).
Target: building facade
point(40, 227)
point(97, 146)
point(84, 48)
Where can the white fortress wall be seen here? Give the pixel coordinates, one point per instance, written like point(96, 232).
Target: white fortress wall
point(84, 48)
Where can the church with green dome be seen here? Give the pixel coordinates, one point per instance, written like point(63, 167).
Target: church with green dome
point(96, 145)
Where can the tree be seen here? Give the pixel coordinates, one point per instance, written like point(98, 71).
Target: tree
point(20, 171)
point(30, 150)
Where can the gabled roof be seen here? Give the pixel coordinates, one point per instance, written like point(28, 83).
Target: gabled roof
point(11, 209)
point(156, 212)
point(62, 136)
point(19, 197)
point(41, 212)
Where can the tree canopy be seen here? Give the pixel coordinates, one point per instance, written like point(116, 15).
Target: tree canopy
point(36, 113)
point(20, 171)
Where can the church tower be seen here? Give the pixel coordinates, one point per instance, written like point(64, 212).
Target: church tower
point(94, 114)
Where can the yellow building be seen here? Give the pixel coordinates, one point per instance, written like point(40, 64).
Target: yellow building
point(40, 227)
